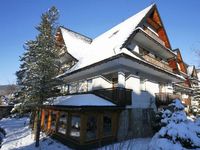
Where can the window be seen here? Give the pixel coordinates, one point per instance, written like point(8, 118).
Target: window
point(65, 89)
point(114, 82)
point(46, 119)
point(152, 55)
point(91, 132)
point(75, 126)
point(82, 86)
point(62, 123)
point(73, 88)
point(53, 120)
point(89, 85)
point(142, 84)
point(107, 125)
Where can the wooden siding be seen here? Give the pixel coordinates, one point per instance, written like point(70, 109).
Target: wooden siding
point(155, 21)
point(82, 142)
point(173, 65)
point(181, 63)
point(157, 63)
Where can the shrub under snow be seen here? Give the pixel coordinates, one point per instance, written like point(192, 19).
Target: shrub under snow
point(178, 132)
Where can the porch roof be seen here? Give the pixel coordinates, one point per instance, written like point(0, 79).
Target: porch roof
point(81, 100)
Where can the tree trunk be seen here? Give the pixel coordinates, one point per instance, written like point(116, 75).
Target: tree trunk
point(38, 127)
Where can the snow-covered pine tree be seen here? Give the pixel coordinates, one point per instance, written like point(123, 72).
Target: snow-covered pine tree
point(40, 65)
point(24, 74)
point(40, 62)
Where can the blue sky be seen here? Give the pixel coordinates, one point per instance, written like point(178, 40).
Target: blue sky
point(92, 17)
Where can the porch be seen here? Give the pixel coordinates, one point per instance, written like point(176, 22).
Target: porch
point(85, 127)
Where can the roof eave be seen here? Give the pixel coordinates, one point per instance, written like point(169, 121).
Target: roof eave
point(120, 56)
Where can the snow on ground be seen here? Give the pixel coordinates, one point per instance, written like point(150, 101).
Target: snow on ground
point(19, 136)
point(134, 144)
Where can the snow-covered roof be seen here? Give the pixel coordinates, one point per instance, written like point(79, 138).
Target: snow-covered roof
point(104, 46)
point(76, 43)
point(81, 100)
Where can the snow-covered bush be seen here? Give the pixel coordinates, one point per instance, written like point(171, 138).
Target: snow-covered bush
point(17, 108)
point(177, 132)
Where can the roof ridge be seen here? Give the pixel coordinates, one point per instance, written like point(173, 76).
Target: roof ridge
point(127, 19)
point(75, 32)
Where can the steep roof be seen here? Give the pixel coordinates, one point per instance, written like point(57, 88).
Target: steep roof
point(76, 43)
point(105, 45)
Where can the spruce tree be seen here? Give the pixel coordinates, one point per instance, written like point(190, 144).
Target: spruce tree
point(40, 65)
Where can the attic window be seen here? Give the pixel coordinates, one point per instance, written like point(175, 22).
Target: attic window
point(114, 33)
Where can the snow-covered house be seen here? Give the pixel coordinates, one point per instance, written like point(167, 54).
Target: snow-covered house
point(183, 89)
point(114, 82)
point(195, 85)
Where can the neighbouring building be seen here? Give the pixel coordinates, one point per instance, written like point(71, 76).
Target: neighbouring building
point(194, 77)
point(115, 82)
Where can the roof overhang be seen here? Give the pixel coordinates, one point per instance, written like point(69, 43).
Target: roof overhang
point(121, 62)
point(148, 42)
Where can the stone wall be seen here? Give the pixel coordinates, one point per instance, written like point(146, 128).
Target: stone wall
point(135, 123)
point(5, 111)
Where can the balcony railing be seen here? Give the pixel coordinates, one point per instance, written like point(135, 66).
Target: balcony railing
point(154, 36)
point(165, 98)
point(119, 96)
point(116, 95)
point(157, 63)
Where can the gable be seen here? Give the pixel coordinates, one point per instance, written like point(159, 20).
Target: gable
point(180, 63)
point(192, 72)
point(153, 19)
point(195, 73)
point(59, 38)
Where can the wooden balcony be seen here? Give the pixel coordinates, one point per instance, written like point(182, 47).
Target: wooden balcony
point(154, 36)
point(117, 95)
point(157, 63)
point(165, 98)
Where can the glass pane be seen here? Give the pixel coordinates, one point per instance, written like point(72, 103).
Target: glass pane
point(75, 127)
point(62, 123)
point(46, 119)
point(107, 125)
point(91, 132)
point(53, 120)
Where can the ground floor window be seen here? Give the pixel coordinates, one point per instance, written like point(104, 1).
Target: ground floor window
point(53, 120)
point(46, 119)
point(75, 126)
point(91, 131)
point(62, 123)
point(107, 125)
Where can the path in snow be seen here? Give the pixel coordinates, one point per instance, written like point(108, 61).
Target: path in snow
point(134, 144)
point(19, 137)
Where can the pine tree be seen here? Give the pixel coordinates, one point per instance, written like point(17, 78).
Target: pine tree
point(40, 65)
